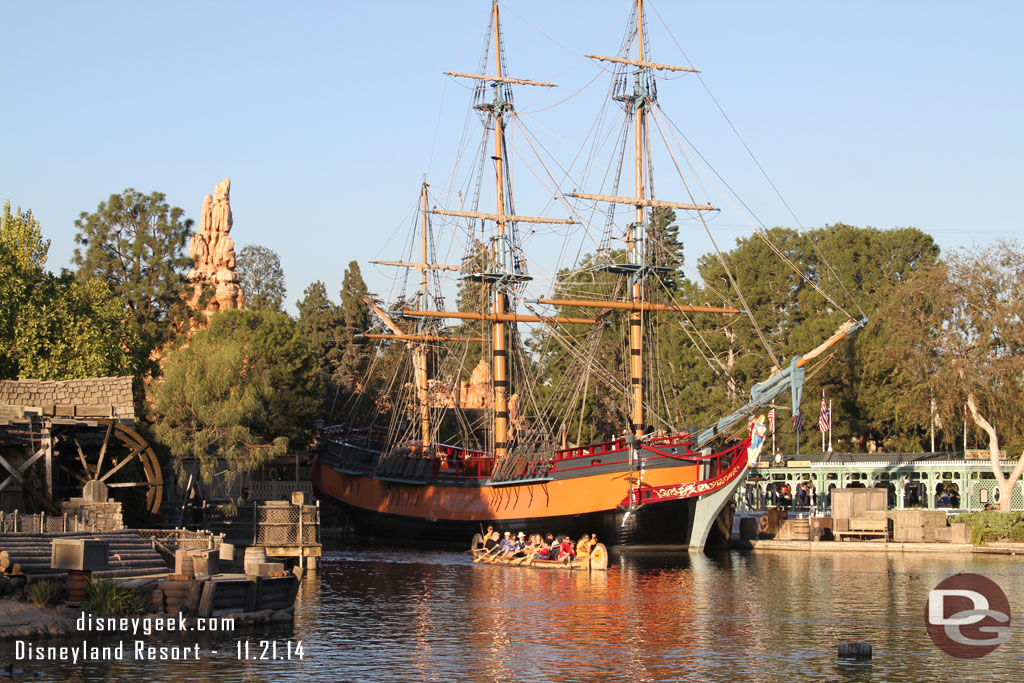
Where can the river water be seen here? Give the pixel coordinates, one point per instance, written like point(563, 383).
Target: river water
point(656, 615)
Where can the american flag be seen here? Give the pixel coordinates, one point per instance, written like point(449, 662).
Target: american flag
point(798, 422)
point(825, 418)
point(771, 420)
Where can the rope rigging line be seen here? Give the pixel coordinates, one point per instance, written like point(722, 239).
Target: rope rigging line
point(762, 230)
point(721, 259)
point(688, 318)
point(759, 166)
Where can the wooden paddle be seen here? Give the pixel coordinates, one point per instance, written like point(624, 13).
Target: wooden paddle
point(483, 557)
point(496, 557)
point(524, 559)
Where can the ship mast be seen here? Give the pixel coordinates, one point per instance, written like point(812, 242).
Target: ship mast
point(635, 242)
point(419, 350)
point(501, 272)
point(638, 267)
point(419, 340)
point(499, 332)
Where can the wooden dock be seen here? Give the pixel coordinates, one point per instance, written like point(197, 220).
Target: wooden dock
point(877, 546)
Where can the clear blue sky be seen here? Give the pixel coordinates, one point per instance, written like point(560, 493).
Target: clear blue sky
point(327, 115)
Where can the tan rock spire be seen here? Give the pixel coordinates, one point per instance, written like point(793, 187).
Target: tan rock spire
point(213, 254)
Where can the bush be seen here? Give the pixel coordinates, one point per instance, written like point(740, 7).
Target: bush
point(104, 596)
point(46, 593)
point(992, 525)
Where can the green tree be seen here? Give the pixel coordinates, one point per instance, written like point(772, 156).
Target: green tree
point(853, 266)
point(22, 238)
point(135, 243)
point(664, 250)
point(956, 336)
point(262, 277)
point(355, 318)
point(75, 330)
point(22, 256)
point(701, 366)
point(239, 391)
point(54, 326)
point(321, 325)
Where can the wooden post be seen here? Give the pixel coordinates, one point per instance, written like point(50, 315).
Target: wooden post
point(192, 601)
point(47, 442)
point(251, 594)
point(302, 540)
point(206, 602)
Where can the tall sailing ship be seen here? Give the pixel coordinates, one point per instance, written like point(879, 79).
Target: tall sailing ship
point(441, 458)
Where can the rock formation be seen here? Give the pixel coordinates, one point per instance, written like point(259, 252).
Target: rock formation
point(478, 394)
point(213, 254)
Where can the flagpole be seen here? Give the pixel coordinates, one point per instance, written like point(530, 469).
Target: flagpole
point(830, 425)
point(965, 430)
point(773, 431)
point(819, 420)
point(933, 424)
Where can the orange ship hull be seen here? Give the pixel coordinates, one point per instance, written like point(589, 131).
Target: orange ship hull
point(589, 490)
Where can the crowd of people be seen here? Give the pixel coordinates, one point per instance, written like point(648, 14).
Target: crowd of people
point(549, 547)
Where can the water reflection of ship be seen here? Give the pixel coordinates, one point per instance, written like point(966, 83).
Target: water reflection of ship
point(511, 464)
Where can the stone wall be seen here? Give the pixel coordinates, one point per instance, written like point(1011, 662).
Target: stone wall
point(107, 516)
point(112, 393)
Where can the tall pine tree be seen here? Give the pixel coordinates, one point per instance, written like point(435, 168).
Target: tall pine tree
point(136, 244)
point(355, 319)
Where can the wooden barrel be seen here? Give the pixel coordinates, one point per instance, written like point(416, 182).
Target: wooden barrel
point(253, 558)
point(598, 558)
point(748, 528)
point(78, 581)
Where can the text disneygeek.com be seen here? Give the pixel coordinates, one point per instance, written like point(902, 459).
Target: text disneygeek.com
point(142, 650)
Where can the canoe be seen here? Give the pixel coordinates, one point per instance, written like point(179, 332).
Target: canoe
point(596, 561)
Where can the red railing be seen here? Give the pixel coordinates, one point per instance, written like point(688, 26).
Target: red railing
point(711, 482)
point(591, 449)
point(464, 463)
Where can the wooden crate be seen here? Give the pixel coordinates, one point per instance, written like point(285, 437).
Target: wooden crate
point(856, 502)
point(918, 526)
point(821, 528)
point(795, 530)
point(960, 533)
point(908, 534)
point(865, 527)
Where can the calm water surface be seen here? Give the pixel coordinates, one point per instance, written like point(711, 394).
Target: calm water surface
point(385, 615)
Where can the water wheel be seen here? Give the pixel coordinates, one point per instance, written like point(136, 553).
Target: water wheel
point(114, 454)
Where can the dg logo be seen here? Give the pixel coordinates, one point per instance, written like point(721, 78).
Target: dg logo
point(968, 616)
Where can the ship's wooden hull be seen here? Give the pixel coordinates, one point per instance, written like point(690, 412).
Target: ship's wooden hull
point(644, 496)
point(378, 509)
